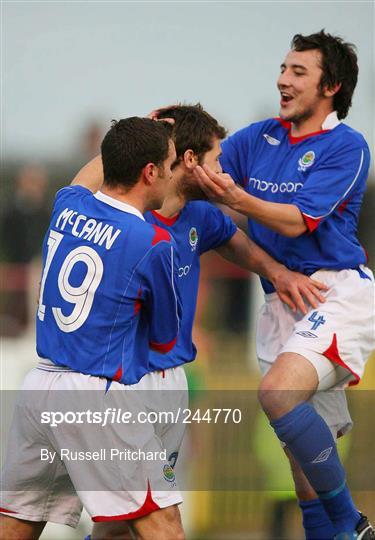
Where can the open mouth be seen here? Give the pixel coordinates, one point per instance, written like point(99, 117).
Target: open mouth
point(285, 99)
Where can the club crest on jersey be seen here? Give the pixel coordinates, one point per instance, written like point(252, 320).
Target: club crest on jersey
point(306, 160)
point(271, 140)
point(169, 473)
point(193, 238)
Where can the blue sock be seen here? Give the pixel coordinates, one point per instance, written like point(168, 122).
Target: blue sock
point(309, 439)
point(340, 507)
point(315, 521)
point(88, 537)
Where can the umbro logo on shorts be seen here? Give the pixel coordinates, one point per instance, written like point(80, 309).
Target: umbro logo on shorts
point(307, 334)
point(323, 456)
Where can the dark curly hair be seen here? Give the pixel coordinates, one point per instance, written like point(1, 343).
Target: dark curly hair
point(194, 129)
point(339, 65)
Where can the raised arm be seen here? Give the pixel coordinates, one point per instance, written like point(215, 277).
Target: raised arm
point(285, 219)
point(293, 288)
point(91, 175)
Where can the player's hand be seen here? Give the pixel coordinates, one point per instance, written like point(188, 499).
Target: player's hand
point(218, 187)
point(295, 290)
point(154, 115)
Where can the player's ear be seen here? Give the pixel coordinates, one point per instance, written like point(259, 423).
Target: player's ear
point(150, 173)
point(330, 92)
point(190, 159)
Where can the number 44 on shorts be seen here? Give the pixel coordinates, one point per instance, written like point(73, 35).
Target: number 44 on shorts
point(316, 319)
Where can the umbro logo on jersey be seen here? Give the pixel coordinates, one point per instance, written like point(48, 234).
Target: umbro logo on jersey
point(271, 140)
point(306, 160)
point(323, 456)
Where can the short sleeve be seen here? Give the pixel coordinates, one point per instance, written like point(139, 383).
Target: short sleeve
point(218, 228)
point(161, 297)
point(235, 152)
point(336, 180)
point(67, 192)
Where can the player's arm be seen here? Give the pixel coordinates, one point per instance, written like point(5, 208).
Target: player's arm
point(162, 300)
point(285, 219)
point(91, 176)
point(293, 288)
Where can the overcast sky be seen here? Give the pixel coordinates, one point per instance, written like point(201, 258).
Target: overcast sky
point(65, 63)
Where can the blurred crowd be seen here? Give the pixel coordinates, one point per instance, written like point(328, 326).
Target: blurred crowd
point(27, 195)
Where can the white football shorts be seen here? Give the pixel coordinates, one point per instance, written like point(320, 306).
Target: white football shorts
point(337, 338)
point(110, 485)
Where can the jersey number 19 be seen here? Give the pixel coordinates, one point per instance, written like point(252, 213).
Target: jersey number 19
point(82, 296)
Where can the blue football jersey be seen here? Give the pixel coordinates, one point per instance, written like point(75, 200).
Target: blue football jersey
point(199, 227)
point(323, 174)
point(108, 291)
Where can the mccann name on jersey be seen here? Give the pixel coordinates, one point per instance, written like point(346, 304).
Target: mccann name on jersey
point(87, 228)
point(107, 294)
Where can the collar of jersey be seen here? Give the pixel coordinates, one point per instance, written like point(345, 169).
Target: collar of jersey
point(167, 221)
point(118, 204)
point(331, 121)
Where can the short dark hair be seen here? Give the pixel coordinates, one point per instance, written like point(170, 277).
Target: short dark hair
point(339, 65)
point(193, 129)
point(129, 145)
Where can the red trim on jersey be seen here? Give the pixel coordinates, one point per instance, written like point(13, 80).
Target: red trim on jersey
point(138, 302)
point(311, 222)
point(166, 220)
point(366, 253)
point(163, 347)
point(117, 376)
point(284, 123)
point(332, 353)
point(343, 205)
point(7, 511)
point(295, 140)
point(160, 235)
point(245, 182)
point(148, 506)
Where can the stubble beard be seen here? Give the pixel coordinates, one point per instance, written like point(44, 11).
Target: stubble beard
point(190, 191)
point(298, 118)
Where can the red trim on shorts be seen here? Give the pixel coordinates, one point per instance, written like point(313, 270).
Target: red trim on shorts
point(7, 511)
point(332, 353)
point(163, 347)
point(148, 506)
